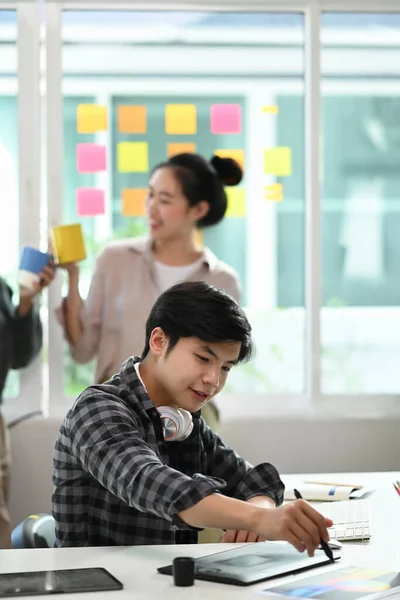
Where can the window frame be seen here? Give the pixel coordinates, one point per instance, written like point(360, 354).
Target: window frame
point(32, 389)
point(313, 401)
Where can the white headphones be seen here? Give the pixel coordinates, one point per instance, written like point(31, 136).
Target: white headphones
point(177, 424)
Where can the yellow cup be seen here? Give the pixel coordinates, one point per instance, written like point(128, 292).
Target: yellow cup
point(68, 244)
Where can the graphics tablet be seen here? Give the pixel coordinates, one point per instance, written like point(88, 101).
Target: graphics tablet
point(69, 581)
point(251, 563)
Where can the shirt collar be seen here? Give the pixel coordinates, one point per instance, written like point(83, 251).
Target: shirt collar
point(144, 246)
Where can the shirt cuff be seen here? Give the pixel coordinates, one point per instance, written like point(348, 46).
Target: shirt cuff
point(200, 488)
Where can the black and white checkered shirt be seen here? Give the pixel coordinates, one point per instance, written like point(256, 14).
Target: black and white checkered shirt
point(117, 482)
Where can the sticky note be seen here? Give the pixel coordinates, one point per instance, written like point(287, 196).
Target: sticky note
point(133, 157)
point(237, 155)
point(133, 202)
point(278, 161)
point(180, 119)
point(236, 202)
point(90, 202)
point(91, 118)
point(132, 119)
point(198, 239)
point(90, 158)
point(272, 109)
point(180, 148)
point(274, 192)
point(226, 118)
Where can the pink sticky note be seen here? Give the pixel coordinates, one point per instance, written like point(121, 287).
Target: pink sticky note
point(90, 158)
point(90, 202)
point(226, 118)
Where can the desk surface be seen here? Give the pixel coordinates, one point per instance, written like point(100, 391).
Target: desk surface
point(136, 566)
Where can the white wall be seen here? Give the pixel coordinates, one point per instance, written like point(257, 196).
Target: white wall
point(293, 444)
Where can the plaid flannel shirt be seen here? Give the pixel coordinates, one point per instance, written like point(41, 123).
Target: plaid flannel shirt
point(117, 482)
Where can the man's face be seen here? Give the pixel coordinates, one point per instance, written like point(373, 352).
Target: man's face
point(194, 371)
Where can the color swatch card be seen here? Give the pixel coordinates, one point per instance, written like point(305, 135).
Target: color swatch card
point(226, 118)
point(90, 158)
point(134, 202)
point(180, 119)
point(236, 202)
point(90, 202)
point(133, 157)
point(350, 583)
point(278, 161)
point(132, 119)
point(91, 118)
point(237, 155)
point(180, 148)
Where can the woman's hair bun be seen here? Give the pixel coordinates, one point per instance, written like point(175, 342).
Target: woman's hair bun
point(228, 170)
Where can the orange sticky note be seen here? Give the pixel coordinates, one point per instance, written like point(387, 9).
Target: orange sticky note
point(237, 155)
point(180, 148)
point(236, 202)
point(274, 192)
point(180, 119)
point(133, 202)
point(132, 119)
point(91, 118)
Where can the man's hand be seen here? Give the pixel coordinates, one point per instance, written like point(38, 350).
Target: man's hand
point(240, 537)
point(297, 523)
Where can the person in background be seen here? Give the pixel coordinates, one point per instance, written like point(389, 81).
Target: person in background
point(134, 462)
point(185, 193)
point(20, 342)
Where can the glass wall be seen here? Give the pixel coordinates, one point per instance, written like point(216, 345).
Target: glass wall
point(251, 65)
point(360, 321)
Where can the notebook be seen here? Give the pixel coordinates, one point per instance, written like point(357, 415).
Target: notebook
point(324, 492)
point(351, 519)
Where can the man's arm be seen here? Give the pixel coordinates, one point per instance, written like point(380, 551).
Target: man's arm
point(107, 444)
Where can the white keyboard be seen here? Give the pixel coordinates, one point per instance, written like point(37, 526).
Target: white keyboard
point(351, 519)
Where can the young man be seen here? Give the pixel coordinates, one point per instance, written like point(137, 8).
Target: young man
point(135, 463)
point(20, 342)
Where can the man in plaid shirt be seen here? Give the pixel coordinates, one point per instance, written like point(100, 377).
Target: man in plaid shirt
point(119, 476)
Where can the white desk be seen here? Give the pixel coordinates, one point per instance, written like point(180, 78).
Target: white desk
point(136, 566)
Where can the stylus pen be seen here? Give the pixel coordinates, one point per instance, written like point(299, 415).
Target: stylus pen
point(324, 545)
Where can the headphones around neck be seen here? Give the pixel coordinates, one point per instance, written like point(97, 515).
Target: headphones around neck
point(177, 424)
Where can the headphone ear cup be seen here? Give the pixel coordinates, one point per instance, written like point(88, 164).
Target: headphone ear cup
point(177, 424)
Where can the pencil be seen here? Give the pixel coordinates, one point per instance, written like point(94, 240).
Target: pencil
point(324, 545)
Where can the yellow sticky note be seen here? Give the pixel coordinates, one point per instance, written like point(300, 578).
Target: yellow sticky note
point(133, 157)
point(132, 119)
point(198, 239)
point(91, 118)
point(236, 202)
point(133, 202)
point(180, 148)
point(237, 155)
point(274, 192)
point(272, 109)
point(180, 119)
point(278, 161)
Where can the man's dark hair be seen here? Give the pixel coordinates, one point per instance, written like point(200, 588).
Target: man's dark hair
point(196, 309)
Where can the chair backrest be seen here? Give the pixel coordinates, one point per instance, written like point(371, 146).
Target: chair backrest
point(36, 531)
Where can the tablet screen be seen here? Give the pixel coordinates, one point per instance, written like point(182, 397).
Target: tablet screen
point(66, 581)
